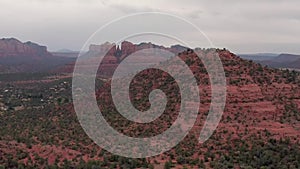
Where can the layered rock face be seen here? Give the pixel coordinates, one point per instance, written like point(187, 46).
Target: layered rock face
point(113, 55)
point(126, 48)
point(13, 47)
point(18, 57)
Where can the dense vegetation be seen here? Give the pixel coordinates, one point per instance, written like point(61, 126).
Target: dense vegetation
point(39, 128)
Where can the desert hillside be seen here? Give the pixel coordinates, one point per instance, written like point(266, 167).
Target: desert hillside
point(260, 125)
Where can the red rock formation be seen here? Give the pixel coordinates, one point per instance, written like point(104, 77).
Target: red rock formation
point(110, 48)
point(13, 47)
point(16, 57)
point(127, 48)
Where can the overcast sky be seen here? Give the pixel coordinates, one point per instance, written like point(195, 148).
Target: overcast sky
point(242, 26)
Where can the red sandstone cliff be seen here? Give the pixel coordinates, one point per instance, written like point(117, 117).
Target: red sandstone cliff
point(13, 47)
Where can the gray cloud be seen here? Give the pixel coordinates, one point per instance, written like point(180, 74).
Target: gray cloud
point(126, 8)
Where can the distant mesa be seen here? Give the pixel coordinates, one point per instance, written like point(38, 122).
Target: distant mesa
point(11, 47)
point(114, 54)
point(28, 57)
point(16, 56)
point(287, 58)
point(65, 51)
point(275, 60)
point(126, 48)
point(259, 56)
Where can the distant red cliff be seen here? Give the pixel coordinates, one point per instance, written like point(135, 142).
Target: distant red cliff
point(19, 57)
point(12, 47)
